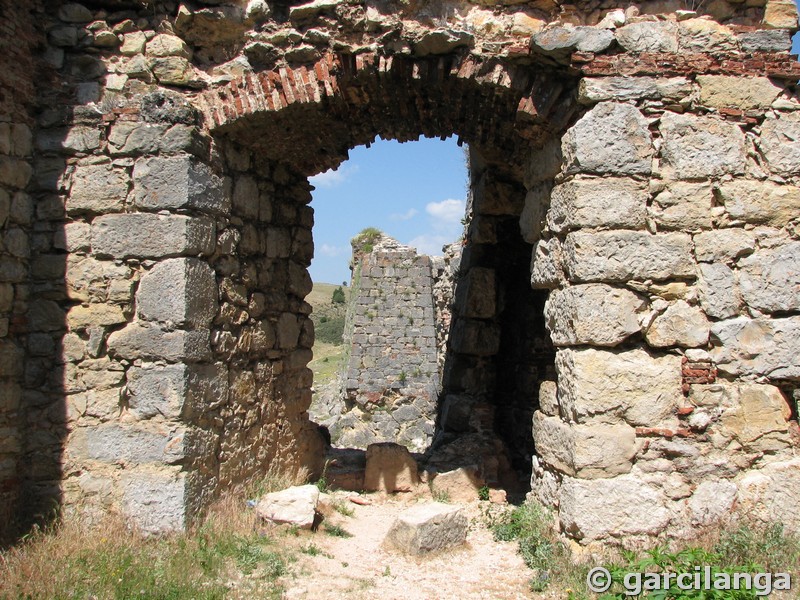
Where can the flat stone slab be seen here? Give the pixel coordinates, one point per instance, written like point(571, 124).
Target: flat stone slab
point(428, 528)
point(295, 506)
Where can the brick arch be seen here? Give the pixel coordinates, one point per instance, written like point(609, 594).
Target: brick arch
point(310, 116)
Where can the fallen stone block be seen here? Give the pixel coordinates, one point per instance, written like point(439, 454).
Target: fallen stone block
point(460, 485)
point(428, 528)
point(294, 506)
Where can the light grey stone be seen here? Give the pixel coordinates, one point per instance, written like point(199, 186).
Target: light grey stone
point(155, 500)
point(780, 143)
point(165, 44)
point(723, 245)
point(128, 138)
point(772, 491)
point(765, 40)
point(597, 202)
point(180, 292)
point(761, 347)
point(700, 35)
point(594, 314)
point(293, 506)
point(73, 237)
point(680, 325)
point(599, 89)
point(310, 10)
point(531, 221)
point(770, 278)
point(718, 291)
point(755, 415)
point(585, 451)
point(147, 341)
point(178, 182)
point(76, 139)
point(632, 384)
point(712, 502)
point(600, 508)
point(648, 36)
point(176, 391)
point(683, 206)
point(619, 256)
point(562, 41)
point(609, 139)
point(442, 41)
point(760, 201)
point(428, 528)
point(145, 235)
point(701, 147)
point(113, 443)
point(547, 264)
point(97, 189)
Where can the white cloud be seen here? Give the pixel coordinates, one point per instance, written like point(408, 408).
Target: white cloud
point(328, 250)
point(431, 243)
point(409, 214)
point(333, 177)
point(447, 212)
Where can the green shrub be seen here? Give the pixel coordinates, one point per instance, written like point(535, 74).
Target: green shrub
point(338, 296)
point(330, 330)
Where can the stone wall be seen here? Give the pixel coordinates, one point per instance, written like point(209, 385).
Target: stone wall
point(391, 377)
point(157, 252)
point(18, 41)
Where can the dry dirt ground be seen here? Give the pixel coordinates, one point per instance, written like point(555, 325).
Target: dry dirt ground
point(359, 567)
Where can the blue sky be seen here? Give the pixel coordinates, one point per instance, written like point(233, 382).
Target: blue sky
point(414, 191)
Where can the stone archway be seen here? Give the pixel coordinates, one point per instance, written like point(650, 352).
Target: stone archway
point(165, 270)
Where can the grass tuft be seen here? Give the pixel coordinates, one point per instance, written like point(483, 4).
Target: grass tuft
point(337, 531)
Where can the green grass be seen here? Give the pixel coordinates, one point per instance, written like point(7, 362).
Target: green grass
point(71, 561)
point(337, 531)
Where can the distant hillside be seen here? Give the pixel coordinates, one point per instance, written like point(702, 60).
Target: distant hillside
point(328, 316)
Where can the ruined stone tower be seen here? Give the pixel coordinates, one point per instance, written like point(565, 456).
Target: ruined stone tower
point(627, 309)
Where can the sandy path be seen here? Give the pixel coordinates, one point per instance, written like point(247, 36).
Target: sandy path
point(360, 568)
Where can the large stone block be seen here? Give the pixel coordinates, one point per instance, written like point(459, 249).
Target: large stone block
point(594, 314)
point(772, 493)
point(760, 201)
point(112, 443)
point(94, 315)
point(598, 89)
point(680, 325)
point(701, 147)
point(723, 245)
point(756, 416)
point(176, 391)
point(585, 451)
point(761, 347)
point(683, 206)
point(624, 255)
point(143, 235)
point(609, 139)
point(720, 91)
point(178, 291)
point(770, 278)
point(649, 36)
point(547, 264)
point(600, 508)
point(718, 291)
point(428, 528)
point(390, 468)
point(613, 203)
point(780, 143)
point(477, 338)
point(476, 294)
point(148, 341)
point(605, 385)
point(702, 35)
point(155, 501)
point(97, 189)
point(178, 182)
point(294, 506)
